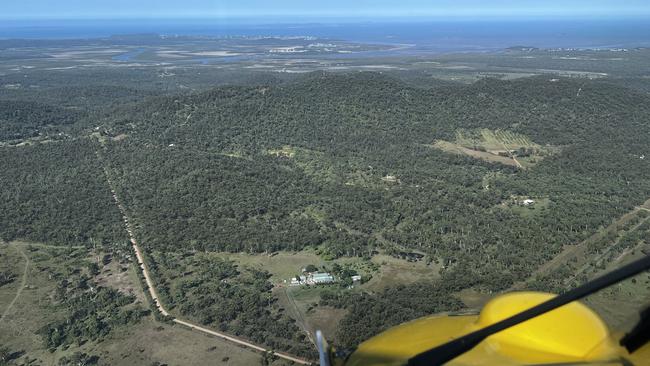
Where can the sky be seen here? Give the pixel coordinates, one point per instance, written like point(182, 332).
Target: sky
point(309, 9)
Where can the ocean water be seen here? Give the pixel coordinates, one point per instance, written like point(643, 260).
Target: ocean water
point(436, 36)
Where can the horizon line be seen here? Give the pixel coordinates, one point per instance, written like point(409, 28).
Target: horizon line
point(310, 18)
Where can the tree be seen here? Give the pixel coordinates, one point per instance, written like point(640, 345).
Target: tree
point(79, 359)
point(311, 268)
point(93, 269)
point(5, 355)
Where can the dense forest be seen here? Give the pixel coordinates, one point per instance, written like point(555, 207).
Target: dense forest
point(20, 120)
point(344, 163)
point(56, 193)
point(198, 172)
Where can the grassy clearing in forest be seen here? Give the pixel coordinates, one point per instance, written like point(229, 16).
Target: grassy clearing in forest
point(496, 140)
point(11, 264)
point(482, 155)
point(394, 271)
point(152, 341)
point(325, 168)
point(386, 271)
point(531, 210)
point(143, 343)
point(302, 302)
point(33, 309)
point(282, 265)
point(498, 146)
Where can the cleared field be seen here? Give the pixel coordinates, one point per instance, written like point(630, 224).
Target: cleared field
point(497, 140)
point(483, 155)
point(498, 146)
point(286, 151)
point(385, 270)
point(11, 261)
point(145, 343)
point(474, 299)
point(32, 309)
point(122, 278)
point(394, 271)
point(302, 305)
point(282, 266)
point(533, 209)
point(152, 342)
point(302, 302)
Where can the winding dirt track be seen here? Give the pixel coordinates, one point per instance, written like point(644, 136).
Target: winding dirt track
point(159, 306)
point(23, 283)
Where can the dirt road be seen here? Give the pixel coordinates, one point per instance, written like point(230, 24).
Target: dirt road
point(158, 304)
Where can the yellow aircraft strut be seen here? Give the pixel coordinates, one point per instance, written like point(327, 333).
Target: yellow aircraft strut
point(521, 328)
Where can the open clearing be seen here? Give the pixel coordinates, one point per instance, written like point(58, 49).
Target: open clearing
point(21, 285)
point(390, 271)
point(15, 262)
point(532, 210)
point(493, 141)
point(483, 155)
point(34, 308)
point(498, 146)
point(302, 302)
point(122, 278)
point(147, 342)
point(474, 299)
point(394, 271)
point(152, 341)
point(282, 266)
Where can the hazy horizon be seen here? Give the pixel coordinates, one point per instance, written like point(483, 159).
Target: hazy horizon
point(434, 35)
point(296, 9)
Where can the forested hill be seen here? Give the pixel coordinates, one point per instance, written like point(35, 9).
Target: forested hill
point(287, 166)
point(24, 119)
point(353, 164)
point(273, 167)
point(369, 111)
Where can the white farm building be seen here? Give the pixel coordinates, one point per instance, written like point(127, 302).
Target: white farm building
point(320, 278)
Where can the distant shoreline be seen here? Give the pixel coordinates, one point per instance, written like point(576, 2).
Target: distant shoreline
point(440, 36)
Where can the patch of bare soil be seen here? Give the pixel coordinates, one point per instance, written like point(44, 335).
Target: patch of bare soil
point(121, 278)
